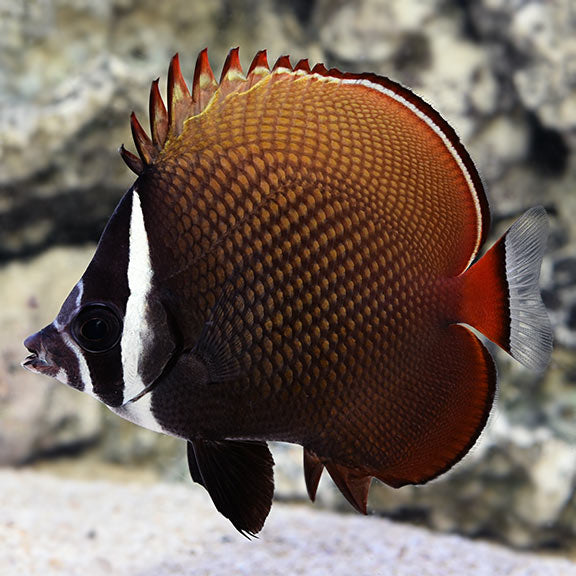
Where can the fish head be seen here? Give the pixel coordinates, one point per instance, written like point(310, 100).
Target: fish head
point(112, 337)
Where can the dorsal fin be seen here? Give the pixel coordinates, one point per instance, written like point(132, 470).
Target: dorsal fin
point(143, 143)
point(302, 65)
point(204, 84)
point(258, 69)
point(132, 161)
point(259, 64)
point(232, 74)
point(283, 62)
point(320, 69)
point(179, 99)
point(158, 117)
point(182, 106)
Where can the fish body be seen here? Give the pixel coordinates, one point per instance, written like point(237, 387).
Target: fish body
point(298, 261)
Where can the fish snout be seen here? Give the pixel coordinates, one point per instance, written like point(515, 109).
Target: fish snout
point(38, 360)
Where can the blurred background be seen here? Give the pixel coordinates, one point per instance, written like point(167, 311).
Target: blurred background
point(502, 72)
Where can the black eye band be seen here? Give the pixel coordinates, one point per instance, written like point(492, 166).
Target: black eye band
point(97, 328)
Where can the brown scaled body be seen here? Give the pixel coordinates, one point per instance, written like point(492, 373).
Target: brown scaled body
point(297, 261)
point(326, 223)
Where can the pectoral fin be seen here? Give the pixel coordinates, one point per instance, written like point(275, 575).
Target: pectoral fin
point(220, 344)
point(239, 478)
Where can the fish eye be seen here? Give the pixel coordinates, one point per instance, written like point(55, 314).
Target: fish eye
point(97, 328)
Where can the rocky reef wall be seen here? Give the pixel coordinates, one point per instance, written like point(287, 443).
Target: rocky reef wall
point(502, 72)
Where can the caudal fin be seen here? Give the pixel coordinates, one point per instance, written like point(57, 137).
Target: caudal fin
point(501, 294)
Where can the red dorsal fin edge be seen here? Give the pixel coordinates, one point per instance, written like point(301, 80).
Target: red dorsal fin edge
point(168, 123)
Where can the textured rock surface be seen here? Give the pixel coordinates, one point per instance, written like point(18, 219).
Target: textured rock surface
point(71, 71)
point(36, 415)
point(51, 526)
point(502, 71)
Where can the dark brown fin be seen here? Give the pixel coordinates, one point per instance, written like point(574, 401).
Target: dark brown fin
point(204, 84)
point(313, 469)
point(158, 117)
point(354, 484)
point(179, 99)
point(132, 161)
point(141, 139)
point(239, 477)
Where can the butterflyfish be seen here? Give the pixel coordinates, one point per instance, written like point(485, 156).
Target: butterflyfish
point(298, 260)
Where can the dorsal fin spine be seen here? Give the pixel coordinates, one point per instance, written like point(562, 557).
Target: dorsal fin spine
point(303, 65)
point(143, 143)
point(179, 99)
point(132, 161)
point(282, 62)
point(158, 117)
point(320, 69)
point(204, 84)
point(259, 62)
point(232, 74)
point(232, 68)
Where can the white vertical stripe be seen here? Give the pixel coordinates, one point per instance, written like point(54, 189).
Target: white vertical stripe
point(140, 413)
point(84, 371)
point(136, 328)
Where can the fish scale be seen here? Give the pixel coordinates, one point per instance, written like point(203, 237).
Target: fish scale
point(358, 237)
point(294, 263)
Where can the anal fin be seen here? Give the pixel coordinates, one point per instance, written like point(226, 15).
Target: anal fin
point(239, 477)
point(313, 469)
point(354, 484)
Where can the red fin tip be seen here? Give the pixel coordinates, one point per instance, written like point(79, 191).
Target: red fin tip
point(259, 61)
point(232, 68)
point(302, 65)
point(158, 117)
point(282, 62)
point(204, 84)
point(178, 97)
point(320, 69)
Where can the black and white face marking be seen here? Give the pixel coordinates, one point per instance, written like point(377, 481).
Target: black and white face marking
point(111, 337)
point(139, 338)
point(136, 324)
point(55, 353)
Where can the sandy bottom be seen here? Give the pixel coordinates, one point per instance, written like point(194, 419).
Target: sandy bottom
point(67, 527)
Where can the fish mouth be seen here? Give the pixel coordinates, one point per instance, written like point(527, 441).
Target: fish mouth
point(37, 361)
point(37, 364)
point(30, 362)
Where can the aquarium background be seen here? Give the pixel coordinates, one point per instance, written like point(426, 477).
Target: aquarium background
point(502, 72)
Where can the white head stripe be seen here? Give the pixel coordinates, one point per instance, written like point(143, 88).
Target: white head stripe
point(84, 371)
point(139, 283)
point(438, 131)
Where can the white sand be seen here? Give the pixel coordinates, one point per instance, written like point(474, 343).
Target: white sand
point(65, 527)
